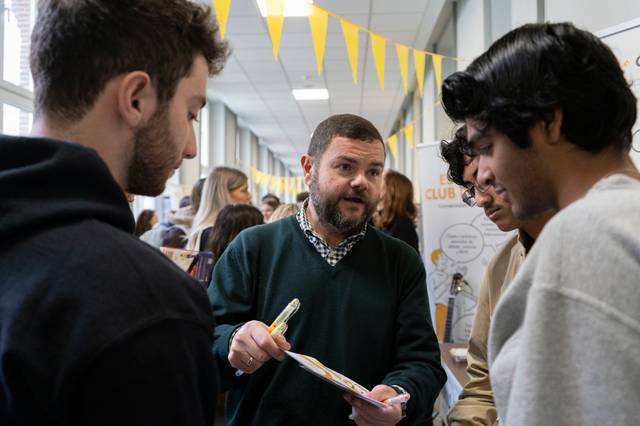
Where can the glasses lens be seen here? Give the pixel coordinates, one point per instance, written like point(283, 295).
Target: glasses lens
point(467, 198)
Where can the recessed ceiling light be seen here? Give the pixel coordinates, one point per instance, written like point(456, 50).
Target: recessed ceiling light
point(310, 94)
point(291, 7)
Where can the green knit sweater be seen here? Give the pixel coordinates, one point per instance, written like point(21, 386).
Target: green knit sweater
point(367, 318)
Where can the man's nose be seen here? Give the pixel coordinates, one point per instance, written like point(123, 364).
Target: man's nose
point(485, 175)
point(359, 181)
point(483, 199)
point(191, 148)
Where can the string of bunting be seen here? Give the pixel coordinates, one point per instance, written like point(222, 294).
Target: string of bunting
point(283, 184)
point(318, 22)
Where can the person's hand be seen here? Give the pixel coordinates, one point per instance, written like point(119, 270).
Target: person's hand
point(252, 346)
point(365, 414)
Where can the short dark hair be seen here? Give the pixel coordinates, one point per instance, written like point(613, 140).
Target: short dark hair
point(77, 46)
point(345, 125)
point(271, 199)
point(537, 68)
point(454, 153)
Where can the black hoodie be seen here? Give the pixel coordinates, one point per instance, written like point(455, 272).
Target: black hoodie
point(96, 327)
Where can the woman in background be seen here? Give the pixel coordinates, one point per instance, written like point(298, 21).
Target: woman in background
point(146, 220)
point(396, 214)
point(230, 221)
point(185, 214)
point(223, 186)
point(283, 211)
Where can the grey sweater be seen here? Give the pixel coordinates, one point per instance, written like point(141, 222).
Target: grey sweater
point(564, 347)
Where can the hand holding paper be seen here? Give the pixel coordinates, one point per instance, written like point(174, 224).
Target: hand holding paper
point(365, 414)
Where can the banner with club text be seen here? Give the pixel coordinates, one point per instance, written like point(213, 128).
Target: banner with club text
point(456, 239)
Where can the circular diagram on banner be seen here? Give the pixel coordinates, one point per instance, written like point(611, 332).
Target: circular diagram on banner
point(462, 242)
point(636, 141)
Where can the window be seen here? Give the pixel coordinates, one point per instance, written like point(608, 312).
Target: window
point(16, 85)
point(15, 121)
point(18, 19)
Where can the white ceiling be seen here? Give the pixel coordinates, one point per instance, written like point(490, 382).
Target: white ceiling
point(257, 88)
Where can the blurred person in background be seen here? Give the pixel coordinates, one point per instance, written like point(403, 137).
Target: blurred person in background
point(396, 215)
point(146, 220)
point(231, 220)
point(185, 213)
point(283, 211)
point(223, 186)
point(301, 197)
point(268, 204)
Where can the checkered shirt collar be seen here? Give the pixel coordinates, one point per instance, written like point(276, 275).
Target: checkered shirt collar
point(331, 255)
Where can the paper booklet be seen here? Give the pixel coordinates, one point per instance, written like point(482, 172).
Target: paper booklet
point(316, 368)
point(198, 264)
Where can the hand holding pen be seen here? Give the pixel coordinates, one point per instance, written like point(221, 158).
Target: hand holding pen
point(255, 343)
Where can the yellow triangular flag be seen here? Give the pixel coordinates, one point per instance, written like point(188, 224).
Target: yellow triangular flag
point(403, 61)
point(393, 144)
point(418, 59)
point(221, 8)
point(378, 45)
point(351, 40)
point(275, 20)
point(408, 132)
point(318, 19)
point(437, 70)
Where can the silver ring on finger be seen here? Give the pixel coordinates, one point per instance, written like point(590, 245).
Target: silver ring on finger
point(249, 362)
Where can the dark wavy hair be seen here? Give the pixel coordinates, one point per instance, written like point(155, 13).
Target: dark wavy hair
point(232, 219)
point(454, 152)
point(532, 71)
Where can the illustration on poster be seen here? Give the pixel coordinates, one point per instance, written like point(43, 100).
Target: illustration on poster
point(461, 244)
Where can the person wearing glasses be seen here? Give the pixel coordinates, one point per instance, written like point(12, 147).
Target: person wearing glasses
point(475, 405)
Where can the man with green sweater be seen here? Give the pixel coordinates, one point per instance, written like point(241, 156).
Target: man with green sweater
point(364, 307)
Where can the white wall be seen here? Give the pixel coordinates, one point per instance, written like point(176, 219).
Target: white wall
point(592, 15)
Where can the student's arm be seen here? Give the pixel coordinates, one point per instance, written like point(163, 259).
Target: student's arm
point(162, 375)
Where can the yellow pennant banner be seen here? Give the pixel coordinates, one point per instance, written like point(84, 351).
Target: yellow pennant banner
point(393, 144)
point(318, 20)
point(408, 132)
point(419, 60)
point(275, 21)
point(350, 32)
point(221, 8)
point(282, 184)
point(437, 70)
point(378, 47)
point(403, 61)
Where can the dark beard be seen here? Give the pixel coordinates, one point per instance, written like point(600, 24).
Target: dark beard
point(153, 156)
point(329, 213)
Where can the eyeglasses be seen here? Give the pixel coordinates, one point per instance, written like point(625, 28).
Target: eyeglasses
point(469, 196)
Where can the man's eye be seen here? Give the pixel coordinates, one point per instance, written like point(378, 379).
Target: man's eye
point(344, 167)
point(374, 172)
point(484, 149)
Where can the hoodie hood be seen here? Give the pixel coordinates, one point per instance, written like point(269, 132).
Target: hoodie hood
point(46, 183)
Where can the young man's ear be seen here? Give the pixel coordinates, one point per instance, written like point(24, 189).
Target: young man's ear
point(306, 161)
point(554, 126)
point(136, 98)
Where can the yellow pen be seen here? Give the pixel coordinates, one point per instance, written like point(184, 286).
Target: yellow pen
point(279, 325)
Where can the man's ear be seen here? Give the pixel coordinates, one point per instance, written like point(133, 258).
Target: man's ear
point(136, 98)
point(306, 161)
point(554, 126)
